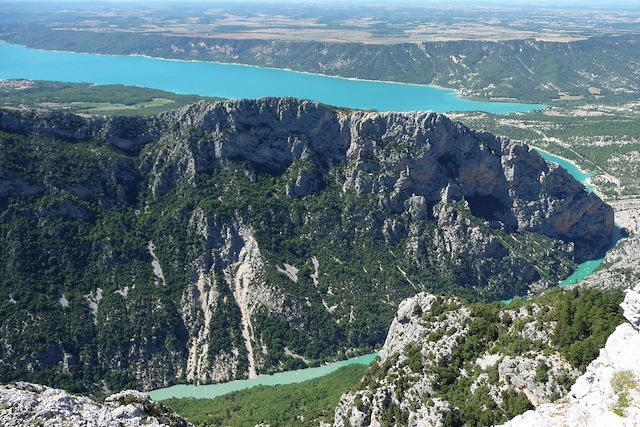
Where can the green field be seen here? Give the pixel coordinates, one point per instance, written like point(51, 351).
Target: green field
point(91, 99)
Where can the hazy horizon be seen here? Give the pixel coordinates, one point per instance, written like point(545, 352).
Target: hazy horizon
point(501, 3)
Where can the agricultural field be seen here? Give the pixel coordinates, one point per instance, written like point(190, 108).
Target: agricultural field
point(83, 98)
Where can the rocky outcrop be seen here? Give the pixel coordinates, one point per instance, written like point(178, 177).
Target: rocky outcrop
point(26, 404)
point(368, 407)
point(427, 335)
point(608, 393)
point(392, 156)
point(631, 306)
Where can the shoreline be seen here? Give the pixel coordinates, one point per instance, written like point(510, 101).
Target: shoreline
point(452, 91)
point(583, 171)
point(295, 376)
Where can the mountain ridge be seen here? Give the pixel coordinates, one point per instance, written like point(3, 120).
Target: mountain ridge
point(196, 245)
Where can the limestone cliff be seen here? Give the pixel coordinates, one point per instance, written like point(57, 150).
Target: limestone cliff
point(26, 404)
point(197, 245)
point(449, 363)
point(390, 156)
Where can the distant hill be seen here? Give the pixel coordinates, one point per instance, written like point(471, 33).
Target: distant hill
point(601, 67)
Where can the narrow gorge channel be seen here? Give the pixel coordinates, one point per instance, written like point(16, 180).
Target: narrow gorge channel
point(586, 268)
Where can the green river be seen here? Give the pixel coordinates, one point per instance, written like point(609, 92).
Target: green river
point(214, 390)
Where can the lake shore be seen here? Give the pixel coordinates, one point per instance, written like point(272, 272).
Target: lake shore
point(451, 91)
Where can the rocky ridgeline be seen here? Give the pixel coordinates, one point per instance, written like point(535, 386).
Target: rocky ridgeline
point(402, 386)
point(427, 334)
point(26, 404)
point(608, 393)
point(215, 236)
point(422, 158)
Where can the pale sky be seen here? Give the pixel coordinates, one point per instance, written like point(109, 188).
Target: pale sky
point(628, 3)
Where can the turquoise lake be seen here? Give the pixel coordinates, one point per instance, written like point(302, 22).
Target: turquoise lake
point(235, 81)
point(214, 390)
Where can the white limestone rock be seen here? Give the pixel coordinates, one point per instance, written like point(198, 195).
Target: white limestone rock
point(595, 399)
point(26, 404)
point(631, 306)
point(367, 407)
point(405, 328)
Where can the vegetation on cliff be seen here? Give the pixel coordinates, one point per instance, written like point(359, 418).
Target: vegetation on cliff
point(481, 364)
point(140, 252)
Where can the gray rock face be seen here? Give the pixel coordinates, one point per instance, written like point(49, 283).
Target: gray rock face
point(236, 230)
point(367, 407)
point(11, 185)
point(631, 306)
point(608, 393)
point(391, 156)
point(26, 404)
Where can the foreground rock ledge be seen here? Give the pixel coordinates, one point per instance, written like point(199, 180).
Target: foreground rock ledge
point(26, 404)
point(608, 394)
